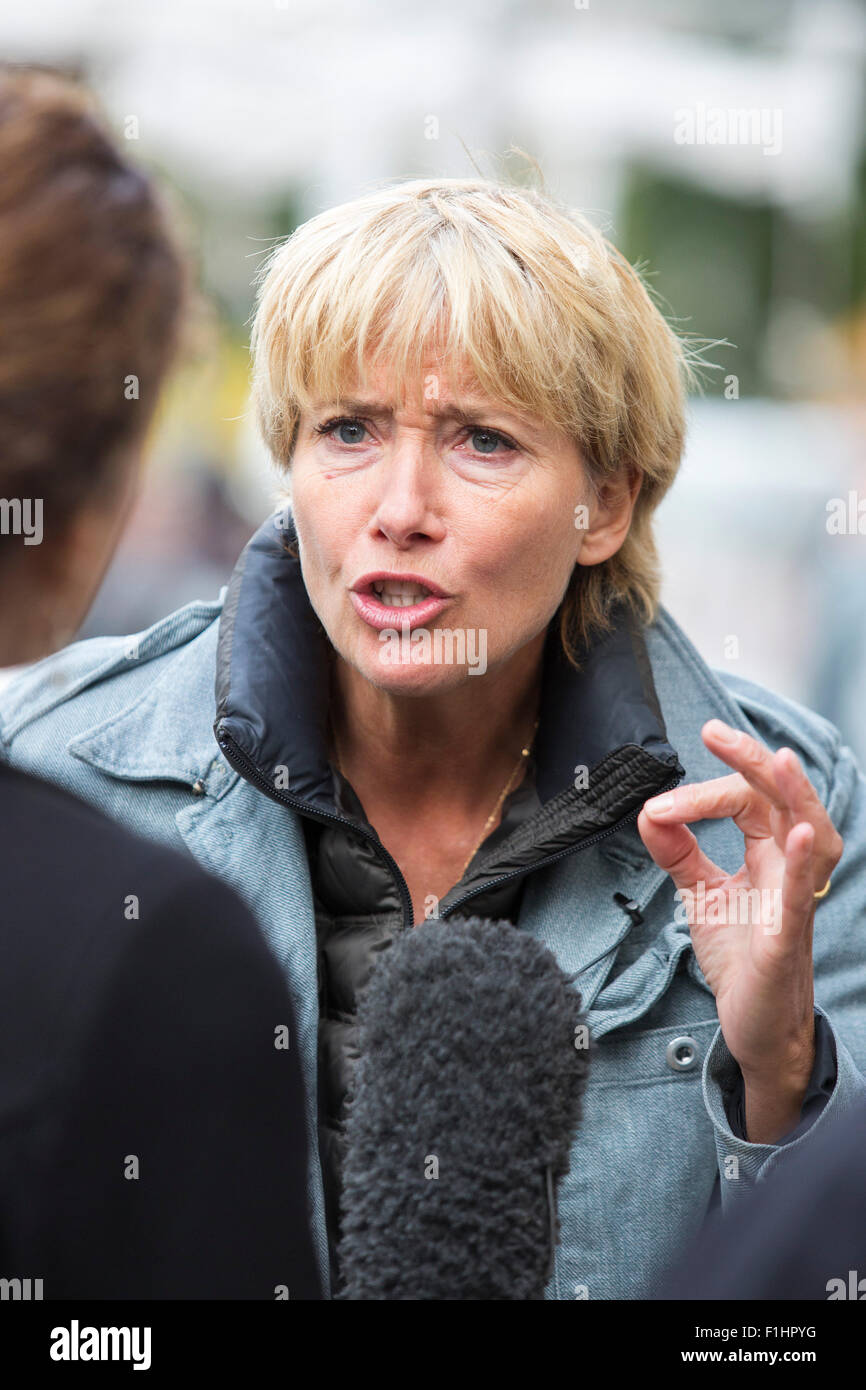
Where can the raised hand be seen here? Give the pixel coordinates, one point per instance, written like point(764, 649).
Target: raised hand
point(752, 931)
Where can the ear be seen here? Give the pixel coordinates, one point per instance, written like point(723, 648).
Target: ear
point(610, 517)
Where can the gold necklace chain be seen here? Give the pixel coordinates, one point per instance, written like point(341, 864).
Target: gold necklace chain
point(524, 754)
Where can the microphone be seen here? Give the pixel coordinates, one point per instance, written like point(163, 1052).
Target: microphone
point(473, 1057)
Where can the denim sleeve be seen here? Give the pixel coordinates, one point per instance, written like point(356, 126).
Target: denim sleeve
point(818, 1091)
point(741, 1162)
point(840, 1001)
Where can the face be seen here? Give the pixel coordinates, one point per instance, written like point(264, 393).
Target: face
point(439, 535)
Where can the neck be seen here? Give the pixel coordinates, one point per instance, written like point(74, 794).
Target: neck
point(455, 747)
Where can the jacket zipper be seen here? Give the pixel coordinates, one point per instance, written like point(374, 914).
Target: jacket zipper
point(244, 764)
point(562, 853)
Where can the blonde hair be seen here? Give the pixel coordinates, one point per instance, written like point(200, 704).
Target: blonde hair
point(550, 317)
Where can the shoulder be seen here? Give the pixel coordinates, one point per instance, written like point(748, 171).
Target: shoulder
point(783, 722)
point(691, 691)
point(74, 875)
point(105, 716)
point(83, 898)
point(100, 672)
point(93, 859)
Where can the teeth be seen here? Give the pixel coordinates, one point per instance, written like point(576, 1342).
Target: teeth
point(395, 594)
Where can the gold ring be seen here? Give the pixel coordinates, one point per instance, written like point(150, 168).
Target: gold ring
point(824, 891)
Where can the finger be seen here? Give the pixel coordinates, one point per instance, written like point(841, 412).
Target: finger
point(798, 884)
point(718, 799)
point(753, 760)
point(795, 786)
point(676, 850)
point(806, 805)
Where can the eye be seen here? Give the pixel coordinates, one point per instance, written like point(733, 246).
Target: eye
point(485, 441)
point(346, 429)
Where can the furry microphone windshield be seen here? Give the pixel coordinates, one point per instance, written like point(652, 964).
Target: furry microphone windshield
point(467, 1093)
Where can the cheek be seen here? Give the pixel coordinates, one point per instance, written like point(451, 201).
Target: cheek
point(317, 560)
point(526, 554)
point(321, 525)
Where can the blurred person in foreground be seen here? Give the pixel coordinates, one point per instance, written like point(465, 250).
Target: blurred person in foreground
point(152, 1132)
point(441, 683)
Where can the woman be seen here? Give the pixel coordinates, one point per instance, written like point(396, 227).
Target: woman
point(478, 409)
point(143, 1153)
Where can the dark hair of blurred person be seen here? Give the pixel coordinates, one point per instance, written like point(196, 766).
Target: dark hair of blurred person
point(92, 293)
point(152, 1136)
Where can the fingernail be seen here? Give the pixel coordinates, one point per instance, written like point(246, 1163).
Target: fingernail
point(722, 732)
point(659, 805)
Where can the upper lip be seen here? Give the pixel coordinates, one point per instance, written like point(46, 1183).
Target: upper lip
point(366, 582)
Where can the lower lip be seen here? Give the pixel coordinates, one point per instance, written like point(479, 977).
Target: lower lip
point(380, 616)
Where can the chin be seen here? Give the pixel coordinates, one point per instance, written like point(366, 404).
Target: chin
point(418, 673)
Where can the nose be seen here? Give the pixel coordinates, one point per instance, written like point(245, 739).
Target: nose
point(408, 501)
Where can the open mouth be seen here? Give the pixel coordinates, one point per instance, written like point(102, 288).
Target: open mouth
point(391, 601)
point(399, 593)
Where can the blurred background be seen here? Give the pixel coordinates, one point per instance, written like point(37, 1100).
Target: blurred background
point(721, 147)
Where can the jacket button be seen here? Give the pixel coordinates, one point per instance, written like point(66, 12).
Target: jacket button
point(681, 1054)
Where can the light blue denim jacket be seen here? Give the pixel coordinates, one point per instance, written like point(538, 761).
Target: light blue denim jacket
point(127, 723)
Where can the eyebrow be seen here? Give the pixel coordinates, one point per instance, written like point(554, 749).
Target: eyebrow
point(465, 414)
